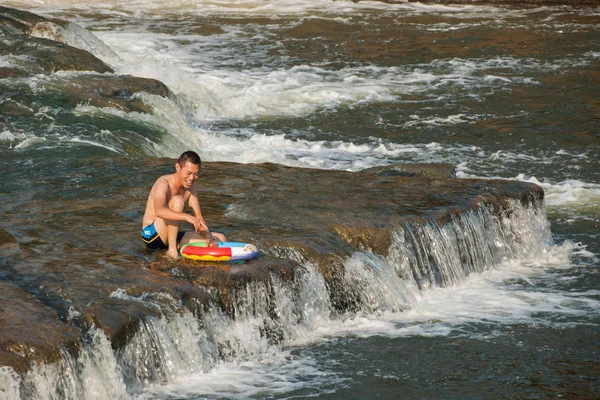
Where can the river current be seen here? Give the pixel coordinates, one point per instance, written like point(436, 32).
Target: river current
point(498, 91)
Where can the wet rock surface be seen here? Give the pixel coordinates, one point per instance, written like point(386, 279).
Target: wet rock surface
point(426, 170)
point(14, 21)
point(33, 55)
point(33, 45)
point(31, 332)
point(67, 93)
point(78, 260)
point(222, 280)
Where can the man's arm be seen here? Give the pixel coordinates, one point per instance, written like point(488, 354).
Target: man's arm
point(194, 204)
point(162, 210)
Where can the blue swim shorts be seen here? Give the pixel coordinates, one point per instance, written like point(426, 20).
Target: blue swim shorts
point(153, 240)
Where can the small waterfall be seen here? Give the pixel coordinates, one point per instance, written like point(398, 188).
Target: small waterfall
point(93, 375)
point(442, 255)
point(165, 348)
point(432, 255)
point(267, 317)
point(165, 132)
point(76, 36)
point(10, 383)
point(378, 287)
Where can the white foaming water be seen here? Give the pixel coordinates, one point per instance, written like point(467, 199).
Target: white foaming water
point(487, 298)
point(512, 256)
point(9, 138)
point(517, 249)
point(504, 295)
point(196, 68)
point(9, 382)
point(251, 147)
point(252, 354)
point(255, 7)
point(277, 373)
point(214, 86)
point(571, 192)
point(214, 92)
point(93, 375)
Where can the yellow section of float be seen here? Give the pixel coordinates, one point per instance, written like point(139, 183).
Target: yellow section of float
point(207, 258)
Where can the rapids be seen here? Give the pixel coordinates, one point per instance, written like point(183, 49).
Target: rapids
point(377, 278)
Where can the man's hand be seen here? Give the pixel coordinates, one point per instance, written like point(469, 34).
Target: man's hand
point(198, 223)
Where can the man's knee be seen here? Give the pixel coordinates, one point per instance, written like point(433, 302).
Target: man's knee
point(219, 237)
point(176, 203)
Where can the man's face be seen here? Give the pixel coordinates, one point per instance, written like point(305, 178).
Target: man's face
point(188, 173)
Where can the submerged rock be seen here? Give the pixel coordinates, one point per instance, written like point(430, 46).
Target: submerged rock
point(7, 241)
point(29, 55)
point(32, 56)
point(14, 21)
point(120, 93)
point(53, 82)
point(426, 170)
point(19, 22)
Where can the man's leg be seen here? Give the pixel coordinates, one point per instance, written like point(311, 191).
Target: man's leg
point(176, 204)
point(193, 237)
point(219, 237)
point(167, 230)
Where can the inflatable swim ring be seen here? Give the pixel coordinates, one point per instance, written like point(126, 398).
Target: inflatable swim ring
point(226, 251)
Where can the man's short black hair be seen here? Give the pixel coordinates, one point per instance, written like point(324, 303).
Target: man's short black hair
point(190, 156)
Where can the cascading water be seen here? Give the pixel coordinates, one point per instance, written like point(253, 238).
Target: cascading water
point(268, 318)
point(434, 255)
point(501, 92)
point(94, 374)
point(76, 36)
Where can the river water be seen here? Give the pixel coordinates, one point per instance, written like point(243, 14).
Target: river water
point(500, 92)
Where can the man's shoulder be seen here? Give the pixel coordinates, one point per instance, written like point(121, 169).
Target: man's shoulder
point(167, 178)
point(163, 181)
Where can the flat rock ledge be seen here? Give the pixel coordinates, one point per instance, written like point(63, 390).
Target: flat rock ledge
point(48, 309)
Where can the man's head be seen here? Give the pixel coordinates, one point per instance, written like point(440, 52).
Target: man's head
point(190, 156)
point(188, 168)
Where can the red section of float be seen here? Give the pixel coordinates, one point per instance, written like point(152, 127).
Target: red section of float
point(224, 251)
point(206, 251)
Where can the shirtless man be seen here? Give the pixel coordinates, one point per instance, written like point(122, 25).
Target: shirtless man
point(164, 209)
